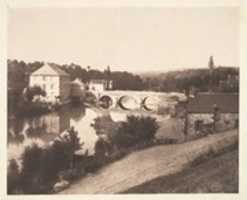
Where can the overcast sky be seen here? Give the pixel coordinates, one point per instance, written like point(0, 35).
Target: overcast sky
point(133, 39)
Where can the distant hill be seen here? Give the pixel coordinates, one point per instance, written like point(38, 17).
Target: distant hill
point(223, 78)
point(202, 79)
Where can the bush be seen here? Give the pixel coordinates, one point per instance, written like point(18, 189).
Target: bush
point(41, 166)
point(59, 156)
point(23, 104)
point(31, 162)
point(104, 125)
point(30, 92)
point(13, 178)
point(135, 130)
point(25, 108)
point(90, 98)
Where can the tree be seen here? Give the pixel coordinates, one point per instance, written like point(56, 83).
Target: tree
point(13, 177)
point(31, 162)
point(107, 73)
point(30, 92)
point(135, 130)
point(41, 166)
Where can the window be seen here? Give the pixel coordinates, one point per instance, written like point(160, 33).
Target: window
point(44, 78)
point(198, 125)
point(51, 86)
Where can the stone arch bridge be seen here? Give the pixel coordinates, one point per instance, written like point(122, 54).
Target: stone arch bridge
point(132, 100)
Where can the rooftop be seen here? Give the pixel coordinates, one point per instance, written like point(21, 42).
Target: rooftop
point(102, 81)
point(205, 102)
point(48, 69)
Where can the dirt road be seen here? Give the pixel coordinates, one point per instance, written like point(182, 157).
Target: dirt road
point(146, 165)
point(219, 174)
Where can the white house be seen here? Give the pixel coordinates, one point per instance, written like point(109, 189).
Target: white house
point(54, 81)
point(99, 85)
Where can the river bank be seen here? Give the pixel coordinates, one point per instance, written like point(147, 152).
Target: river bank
point(217, 174)
point(156, 161)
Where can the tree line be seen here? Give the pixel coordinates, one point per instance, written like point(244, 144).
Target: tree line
point(19, 71)
point(221, 79)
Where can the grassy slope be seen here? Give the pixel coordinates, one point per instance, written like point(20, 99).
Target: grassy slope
point(217, 175)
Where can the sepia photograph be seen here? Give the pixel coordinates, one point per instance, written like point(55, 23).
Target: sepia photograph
point(122, 100)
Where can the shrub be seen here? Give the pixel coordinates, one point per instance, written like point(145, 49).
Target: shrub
point(135, 130)
point(25, 108)
point(30, 92)
point(31, 162)
point(59, 156)
point(104, 125)
point(41, 166)
point(13, 177)
point(90, 98)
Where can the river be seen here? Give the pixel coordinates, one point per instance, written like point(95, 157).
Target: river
point(42, 129)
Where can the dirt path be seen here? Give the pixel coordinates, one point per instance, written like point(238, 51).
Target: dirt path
point(219, 174)
point(146, 165)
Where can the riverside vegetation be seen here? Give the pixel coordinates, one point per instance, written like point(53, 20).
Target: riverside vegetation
point(42, 166)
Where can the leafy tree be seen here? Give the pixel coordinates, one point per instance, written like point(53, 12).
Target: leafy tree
point(41, 166)
point(13, 177)
point(135, 130)
point(31, 162)
point(30, 92)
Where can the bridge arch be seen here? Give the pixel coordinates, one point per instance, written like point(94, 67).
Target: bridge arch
point(127, 102)
point(106, 101)
point(150, 103)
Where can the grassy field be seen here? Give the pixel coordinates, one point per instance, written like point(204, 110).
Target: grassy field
point(215, 175)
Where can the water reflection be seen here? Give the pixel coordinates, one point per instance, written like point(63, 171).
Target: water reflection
point(43, 129)
point(46, 127)
point(86, 131)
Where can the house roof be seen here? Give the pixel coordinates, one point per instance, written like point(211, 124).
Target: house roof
point(99, 81)
point(205, 102)
point(51, 70)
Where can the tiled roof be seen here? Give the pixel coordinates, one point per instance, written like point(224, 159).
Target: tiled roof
point(48, 69)
point(205, 102)
point(98, 81)
point(59, 71)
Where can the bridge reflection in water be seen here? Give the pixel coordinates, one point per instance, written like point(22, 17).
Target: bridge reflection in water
point(45, 128)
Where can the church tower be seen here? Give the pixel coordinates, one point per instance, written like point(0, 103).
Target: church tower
point(211, 74)
point(211, 63)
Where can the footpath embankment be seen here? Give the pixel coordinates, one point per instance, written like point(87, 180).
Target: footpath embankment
point(148, 164)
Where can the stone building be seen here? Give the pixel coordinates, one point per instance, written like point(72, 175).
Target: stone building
point(99, 85)
point(212, 112)
point(54, 81)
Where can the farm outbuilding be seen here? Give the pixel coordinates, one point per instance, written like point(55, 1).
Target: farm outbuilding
point(215, 111)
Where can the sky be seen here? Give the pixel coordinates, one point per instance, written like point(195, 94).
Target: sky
point(126, 38)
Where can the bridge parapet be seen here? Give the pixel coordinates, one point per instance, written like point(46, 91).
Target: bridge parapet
point(133, 99)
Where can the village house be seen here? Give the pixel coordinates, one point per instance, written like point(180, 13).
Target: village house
point(54, 81)
point(215, 111)
point(99, 85)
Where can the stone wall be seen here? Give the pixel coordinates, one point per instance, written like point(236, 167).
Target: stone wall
point(227, 121)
